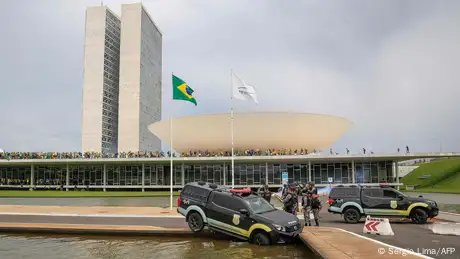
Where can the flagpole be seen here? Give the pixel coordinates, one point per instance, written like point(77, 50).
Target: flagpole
point(171, 160)
point(231, 121)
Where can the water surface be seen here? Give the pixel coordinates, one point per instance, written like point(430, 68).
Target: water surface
point(91, 201)
point(58, 247)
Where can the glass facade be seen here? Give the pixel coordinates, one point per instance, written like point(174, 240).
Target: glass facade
point(15, 175)
point(111, 84)
point(49, 175)
point(155, 175)
point(374, 172)
point(339, 172)
point(247, 174)
point(208, 173)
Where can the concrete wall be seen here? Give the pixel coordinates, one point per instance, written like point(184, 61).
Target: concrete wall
point(93, 79)
point(130, 49)
point(140, 80)
point(404, 170)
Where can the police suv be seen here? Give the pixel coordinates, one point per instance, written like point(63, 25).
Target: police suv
point(237, 213)
point(354, 202)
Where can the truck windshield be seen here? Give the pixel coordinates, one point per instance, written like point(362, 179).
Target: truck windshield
point(259, 205)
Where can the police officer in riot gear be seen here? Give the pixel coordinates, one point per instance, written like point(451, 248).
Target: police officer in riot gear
point(311, 204)
point(265, 192)
point(299, 188)
point(303, 194)
point(285, 191)
point(298, 193)
point(290, 201)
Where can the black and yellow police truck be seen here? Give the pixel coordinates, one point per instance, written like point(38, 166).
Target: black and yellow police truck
point(237, 213)
point(355, 202)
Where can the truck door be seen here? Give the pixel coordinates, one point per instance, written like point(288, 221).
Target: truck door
point(391, 203)
point(371, 199)
point(224, 214)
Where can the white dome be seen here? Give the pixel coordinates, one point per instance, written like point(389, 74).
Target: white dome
point(263, 131)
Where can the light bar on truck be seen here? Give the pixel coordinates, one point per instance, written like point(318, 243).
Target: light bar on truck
point(248, 190)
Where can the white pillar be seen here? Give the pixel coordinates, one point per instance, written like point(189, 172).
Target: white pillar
point(143, 177)
point(67, 177)
point(397, 174)
point(266, 173)
point(104, 178)
point(309, 172)
point(32, 178)
point(182, 171)
point(353, 174)
point(225, 174)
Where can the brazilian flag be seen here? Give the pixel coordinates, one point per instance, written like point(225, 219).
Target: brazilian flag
point(181, 91)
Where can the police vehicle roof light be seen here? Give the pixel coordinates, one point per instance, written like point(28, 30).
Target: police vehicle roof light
point(248, 190)
point(384, 185)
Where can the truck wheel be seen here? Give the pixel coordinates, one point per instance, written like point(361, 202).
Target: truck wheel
point(418, 216)
point(261, 239)
point(351, 215)
point(195, 222)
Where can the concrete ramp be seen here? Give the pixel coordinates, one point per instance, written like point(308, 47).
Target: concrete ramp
point(341, 244)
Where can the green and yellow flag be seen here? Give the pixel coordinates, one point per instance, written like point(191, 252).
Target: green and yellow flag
point(181, 91)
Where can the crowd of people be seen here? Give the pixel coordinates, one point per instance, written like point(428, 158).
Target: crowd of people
point(74, 155)
point(193, 153)
point(248, 152)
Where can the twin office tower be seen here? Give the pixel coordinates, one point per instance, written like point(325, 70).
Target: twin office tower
point(122, 80)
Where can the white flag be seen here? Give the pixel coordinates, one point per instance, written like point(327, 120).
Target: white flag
point(243, 91)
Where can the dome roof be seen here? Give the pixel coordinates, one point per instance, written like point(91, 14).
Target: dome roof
point(262, 130)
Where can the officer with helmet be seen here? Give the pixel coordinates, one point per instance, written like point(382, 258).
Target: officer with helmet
point(311, 204)
point(290, 200)
point(284, 191)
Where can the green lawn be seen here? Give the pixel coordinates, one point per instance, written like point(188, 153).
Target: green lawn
point(445, 176)
point(436, 190)
point(449, 185)
point(40, 193)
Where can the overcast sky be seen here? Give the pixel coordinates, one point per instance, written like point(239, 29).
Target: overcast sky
point(392, 67)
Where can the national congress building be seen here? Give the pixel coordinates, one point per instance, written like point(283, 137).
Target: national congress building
point(122, 112)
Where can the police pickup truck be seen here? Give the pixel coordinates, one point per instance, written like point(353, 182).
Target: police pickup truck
point(237, 213)
point(354, 202)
